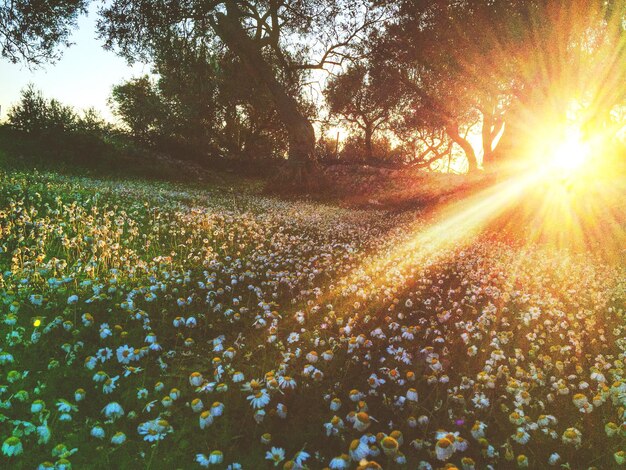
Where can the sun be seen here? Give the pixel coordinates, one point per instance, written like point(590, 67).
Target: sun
point(571, 152)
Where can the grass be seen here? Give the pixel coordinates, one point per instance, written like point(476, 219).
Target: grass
point(486, 331)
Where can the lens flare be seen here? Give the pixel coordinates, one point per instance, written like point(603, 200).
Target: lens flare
point(571, 153)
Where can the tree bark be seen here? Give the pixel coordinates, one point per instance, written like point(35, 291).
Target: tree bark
point(299, 129)
point(453, 131)
point(369, 153)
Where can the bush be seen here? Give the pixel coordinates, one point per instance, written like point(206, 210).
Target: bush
point(36, 115)
point(46, 130)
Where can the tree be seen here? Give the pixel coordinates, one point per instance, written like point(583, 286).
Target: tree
point(34, 114)
point(364, 98)
point(29, 114)
point(214, 107)
point(423, 44)
point(32, 30)
point(276, 41)
point(138, 104)
point(516, 63)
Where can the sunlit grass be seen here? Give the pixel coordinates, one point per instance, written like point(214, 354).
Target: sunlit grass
point(332, 300)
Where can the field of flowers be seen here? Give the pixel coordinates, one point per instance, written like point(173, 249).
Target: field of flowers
point(153, 326)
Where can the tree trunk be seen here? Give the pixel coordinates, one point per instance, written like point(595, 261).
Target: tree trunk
point(299, 129)
point(487, 139)
point(453, 131)
point(369, 153)
point(490, 130)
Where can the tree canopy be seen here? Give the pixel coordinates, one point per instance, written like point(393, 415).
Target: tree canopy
point(435, 74)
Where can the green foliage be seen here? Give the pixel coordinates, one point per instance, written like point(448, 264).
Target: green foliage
point(45, 130)
point(139, 106)
point(32, 30)
point(201, 106)
point(35, 115)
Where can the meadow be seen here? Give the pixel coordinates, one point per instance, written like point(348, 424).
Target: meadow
point(151, 325)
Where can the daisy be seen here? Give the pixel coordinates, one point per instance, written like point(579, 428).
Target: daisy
point(97, 432)
point(79, 394)
point(118, 438)
point(390, 446)
point(478, 430)
point(229, 353)
point(37, 406)
point(195, 379)
point(335, 425)
point(196, 405)
point(286, 382)
point(113, 410)
point(167, 401)
point(358, 450)
point(521, 436)
point(63, 464)
point(276, 455)
point(65, 406)
point(124, 354)
point(43, 431)
point(355, 395)
point(90, 362)
point(340, 463)
point(205, 419)
point(6, 357)
point(611, 429)
point(522, 461)
point(281, 411)
point(217, 409)
point(481, 401)
point(12, 446)
point(572, 436)
point(259, 399)
point(300, 458)
point(312, 357)
point(87, 319)
point(100, 376)
point(216, 457)
point(154, 430)
point(109, 384)
point(411, 395)
point(259, 416)
point(580, 400)
point(444, 449)
point(202, 460)
point(362, 421)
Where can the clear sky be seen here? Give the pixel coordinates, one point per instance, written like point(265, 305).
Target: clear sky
point(82, 78)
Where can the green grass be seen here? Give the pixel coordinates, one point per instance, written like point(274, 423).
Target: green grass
point(252, 270)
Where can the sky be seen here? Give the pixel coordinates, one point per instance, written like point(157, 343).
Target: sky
point(82, 78)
